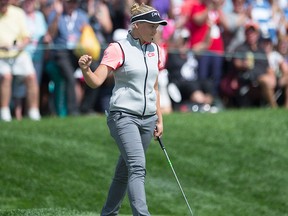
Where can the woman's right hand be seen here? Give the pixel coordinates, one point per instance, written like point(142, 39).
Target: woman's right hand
point(85, 62)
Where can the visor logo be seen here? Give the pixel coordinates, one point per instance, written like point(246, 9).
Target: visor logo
point(154, 14)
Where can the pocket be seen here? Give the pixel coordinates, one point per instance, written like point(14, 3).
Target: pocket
point(118, 94)
point(114, 116)
point(151, 103)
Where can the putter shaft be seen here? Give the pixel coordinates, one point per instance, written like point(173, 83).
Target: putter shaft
point(170, 163)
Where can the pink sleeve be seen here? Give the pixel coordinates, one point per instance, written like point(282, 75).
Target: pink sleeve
point(162, 58)
point(113, 56)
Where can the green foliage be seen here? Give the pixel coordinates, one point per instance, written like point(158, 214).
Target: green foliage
point(229, 164)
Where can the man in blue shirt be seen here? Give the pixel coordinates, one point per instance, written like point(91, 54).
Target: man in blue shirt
point(65, 26)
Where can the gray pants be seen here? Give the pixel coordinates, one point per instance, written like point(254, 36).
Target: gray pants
point(133, 135)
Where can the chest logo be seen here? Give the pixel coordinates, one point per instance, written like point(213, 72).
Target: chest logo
point(151, 54)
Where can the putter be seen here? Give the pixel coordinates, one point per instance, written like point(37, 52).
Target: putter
point(165, 152)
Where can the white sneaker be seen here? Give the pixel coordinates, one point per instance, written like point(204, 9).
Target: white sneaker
point(5, 114)
point(34, 114)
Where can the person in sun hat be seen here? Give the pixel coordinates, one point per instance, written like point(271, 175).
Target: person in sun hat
point(134, 115)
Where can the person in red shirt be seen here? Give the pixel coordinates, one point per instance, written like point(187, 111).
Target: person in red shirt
point(205, 18)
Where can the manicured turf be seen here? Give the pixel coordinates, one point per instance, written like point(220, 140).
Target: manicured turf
point(233, 163)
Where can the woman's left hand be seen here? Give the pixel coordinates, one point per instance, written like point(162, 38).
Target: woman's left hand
point(158, 131)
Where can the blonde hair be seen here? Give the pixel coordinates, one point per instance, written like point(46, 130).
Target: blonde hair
point(137, 9)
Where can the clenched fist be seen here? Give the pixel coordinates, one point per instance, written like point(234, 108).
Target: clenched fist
point(85, 62)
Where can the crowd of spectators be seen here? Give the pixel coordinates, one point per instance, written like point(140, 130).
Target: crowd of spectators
point(219, 54)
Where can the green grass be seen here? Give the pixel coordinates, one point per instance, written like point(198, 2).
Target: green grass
point(233, 163)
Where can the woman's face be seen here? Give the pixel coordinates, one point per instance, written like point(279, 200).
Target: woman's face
point(146, 31)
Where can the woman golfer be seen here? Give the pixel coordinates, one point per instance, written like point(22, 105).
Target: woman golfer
point(134, 116)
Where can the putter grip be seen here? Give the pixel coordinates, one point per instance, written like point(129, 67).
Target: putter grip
point(160, 142)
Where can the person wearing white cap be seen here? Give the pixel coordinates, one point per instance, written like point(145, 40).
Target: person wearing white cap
point(134, 116)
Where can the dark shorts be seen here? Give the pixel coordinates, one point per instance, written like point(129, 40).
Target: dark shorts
point(188, 87)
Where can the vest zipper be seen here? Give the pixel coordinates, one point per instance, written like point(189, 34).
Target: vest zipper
point(146, 76)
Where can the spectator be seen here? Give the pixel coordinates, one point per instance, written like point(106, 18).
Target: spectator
point(228, 6)
point(235, 32)
point(14, 60)
point(166, 10)
point(182, 67)
point(119, 12)
point(283, 4)
point(261, 12)
point(100, 20)
point(279, 66)
point(282, 46)
point(46, 6)
point(199, 17)
point(165, 7)
point(14, 2)
point(251, 64)
point(233, 36)
point(278, 17)
point(163, 79)
point(53, 89)
point(65, 26)
point(38, 28)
